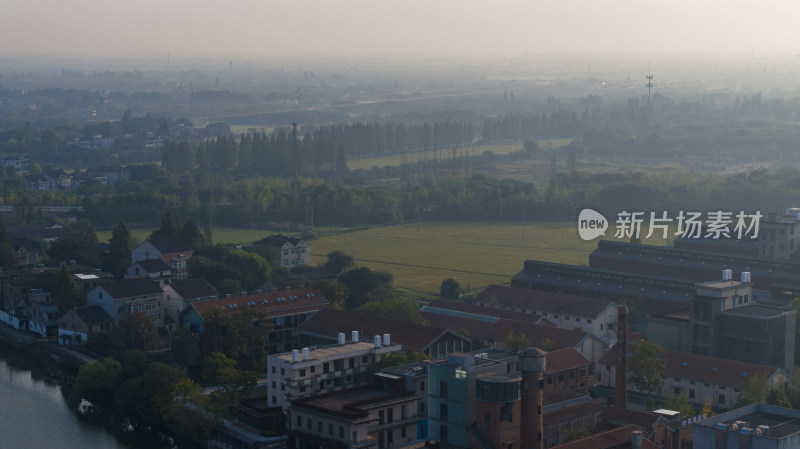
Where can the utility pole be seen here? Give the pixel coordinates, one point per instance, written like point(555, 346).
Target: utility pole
point(294, 143)
point(649, 85)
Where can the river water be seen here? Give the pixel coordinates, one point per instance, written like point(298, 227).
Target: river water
point(34, 414)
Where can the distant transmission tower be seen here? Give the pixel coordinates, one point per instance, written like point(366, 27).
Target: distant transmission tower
point(649, 105)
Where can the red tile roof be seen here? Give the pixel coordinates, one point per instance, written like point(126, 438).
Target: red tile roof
point(484, 310)
point(413, 337)
point(283, 302)
point(549, 302)
point(498, 331)
point(703, 368)
point(564, 359)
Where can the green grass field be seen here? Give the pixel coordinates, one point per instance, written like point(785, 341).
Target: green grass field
point(500, 148)
point(474, 254)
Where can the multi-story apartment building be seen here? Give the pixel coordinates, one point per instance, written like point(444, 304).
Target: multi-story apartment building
point(354, 419)
point(325, 369)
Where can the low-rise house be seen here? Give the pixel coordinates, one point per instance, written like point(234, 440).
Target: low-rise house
point(76, 325)
point(122, 298)
point(621, 438)
point(720, 380)
point(18, 163)
point(154, 269)
point(180, 293)
point(294, 252)
point(170, 250)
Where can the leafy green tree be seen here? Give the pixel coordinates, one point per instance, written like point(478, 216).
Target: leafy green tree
point(450, 289)
point(147, 397)
point(393, 308)
point(220, 370)
point(338, 261)
point(67, 291)
point(516, 343)
point(119, 250)
point(137, 331)
point(168, 227)
point(680, 403)
point(241, 336)
point(334, 292)
point(97, 381)
point(365, 285)
point(184, 346)
point(8, 258)
point(777, 397)
point(193, 236)
point(646, 368)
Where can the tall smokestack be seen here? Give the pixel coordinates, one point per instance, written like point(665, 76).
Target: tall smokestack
point(621, 380)
point(532, 363)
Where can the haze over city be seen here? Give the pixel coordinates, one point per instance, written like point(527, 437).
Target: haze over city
point(313, 28)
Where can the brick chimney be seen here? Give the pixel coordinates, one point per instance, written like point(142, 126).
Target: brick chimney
point(621, 378)
point(532, 362)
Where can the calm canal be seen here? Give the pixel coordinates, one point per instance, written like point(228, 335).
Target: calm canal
point(34, 414)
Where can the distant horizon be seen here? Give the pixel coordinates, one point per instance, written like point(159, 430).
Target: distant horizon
point(312, 29)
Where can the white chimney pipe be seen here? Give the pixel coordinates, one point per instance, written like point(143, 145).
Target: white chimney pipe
point(354, 336)
point(305, 354)
point(295, 353)
point(377, 340)
point(387, 340)
point(727, 274)
point(341, 338)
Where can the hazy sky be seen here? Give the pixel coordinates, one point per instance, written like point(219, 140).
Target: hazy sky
point(267, 28)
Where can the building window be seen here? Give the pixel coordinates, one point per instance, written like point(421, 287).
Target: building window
point(325, 368)
point(691, 393)
point(487, 417)
point(302, 373)
point(319, 426)
point(364, 359)
point(721, 399)
point(442, 412)
point(351, 363)
point(422, 386)
point(341, 432)
point(561, 377)
point(330, 429)
point(443, 389)
point(588, 321)
point(572, 374)
point(443, 433)
point(299, 421)
point(313, 368)
point(380, 417)
point(309, 423)
point(390, 415)
point(403, 432)
point(549, 380)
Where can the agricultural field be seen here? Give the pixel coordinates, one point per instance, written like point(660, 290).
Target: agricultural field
point(420, 256)
point(498, 148)
point(474, 254)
